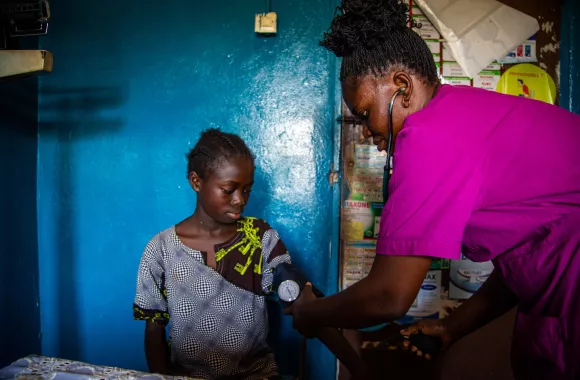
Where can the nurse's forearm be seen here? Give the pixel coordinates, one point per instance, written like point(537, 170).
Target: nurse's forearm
point(491, 301)
point(355, 307)
point(384, 295)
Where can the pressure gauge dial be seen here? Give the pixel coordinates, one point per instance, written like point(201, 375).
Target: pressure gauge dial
point(288, 291)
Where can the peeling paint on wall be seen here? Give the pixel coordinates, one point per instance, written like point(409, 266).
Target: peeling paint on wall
point(551, 47)
point(547, 27)
point(558, 74)
point(548, 37)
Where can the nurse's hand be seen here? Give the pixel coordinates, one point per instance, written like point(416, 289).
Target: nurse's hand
point(430, 327)
point(299, 321)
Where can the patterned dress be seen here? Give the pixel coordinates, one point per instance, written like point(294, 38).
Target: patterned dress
point(218, 319)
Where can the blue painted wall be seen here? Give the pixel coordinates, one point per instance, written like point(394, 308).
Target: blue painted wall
point(20, 326)
point(570, 56)
point(134, 84)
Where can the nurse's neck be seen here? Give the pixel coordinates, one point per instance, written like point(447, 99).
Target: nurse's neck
point(418, 93)
point(434, 91)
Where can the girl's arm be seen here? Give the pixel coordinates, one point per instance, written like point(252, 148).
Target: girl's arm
point(156, 348)
point(384, 295)
point(151, 306)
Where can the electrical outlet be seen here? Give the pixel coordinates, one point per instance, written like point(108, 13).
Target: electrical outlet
point(266, 23)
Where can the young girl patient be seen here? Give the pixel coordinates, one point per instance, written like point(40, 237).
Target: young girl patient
point(208, 276)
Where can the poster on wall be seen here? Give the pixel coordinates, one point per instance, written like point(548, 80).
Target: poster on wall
point(358, 260)
point(367, 175)
point(487, 80)
point(525, 52)
point(528, 81)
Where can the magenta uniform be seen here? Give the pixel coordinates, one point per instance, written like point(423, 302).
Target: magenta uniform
point(497, 177)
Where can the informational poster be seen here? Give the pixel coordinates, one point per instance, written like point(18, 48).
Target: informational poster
point(367, 177)
point(528, 81)
point(487, 80)
point(434, 46)
point(456, 81)
point(494, 66)
point(452, 69)
point(451, 72)
point(427, 30)
point(525, 52)
point(357, 263)
point(415, 10)
point(447, 55)
point(361, 220)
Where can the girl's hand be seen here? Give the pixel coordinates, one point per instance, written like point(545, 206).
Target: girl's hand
point(429, 327)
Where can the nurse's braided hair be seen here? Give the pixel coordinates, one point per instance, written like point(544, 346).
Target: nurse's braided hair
point(213, 148)
point(373, 36)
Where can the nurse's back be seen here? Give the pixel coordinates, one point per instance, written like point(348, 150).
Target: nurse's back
point(529, 155)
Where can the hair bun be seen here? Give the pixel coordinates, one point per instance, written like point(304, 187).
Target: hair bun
point(364, 24)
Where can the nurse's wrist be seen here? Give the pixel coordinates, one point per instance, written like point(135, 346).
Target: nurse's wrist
point(450, 332)
point(311, 313)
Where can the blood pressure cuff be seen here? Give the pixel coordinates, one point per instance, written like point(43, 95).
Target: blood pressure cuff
point(287, 271)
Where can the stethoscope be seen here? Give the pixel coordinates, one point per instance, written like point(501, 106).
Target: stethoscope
point(389, 162)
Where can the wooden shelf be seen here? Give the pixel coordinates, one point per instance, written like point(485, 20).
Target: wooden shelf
point(16, 63)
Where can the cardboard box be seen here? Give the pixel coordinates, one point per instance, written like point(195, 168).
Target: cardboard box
point(466, 277)
point(361, 220)
point(428, 301)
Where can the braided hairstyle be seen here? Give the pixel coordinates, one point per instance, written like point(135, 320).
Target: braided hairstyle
point(214, 148)
point(373, 36)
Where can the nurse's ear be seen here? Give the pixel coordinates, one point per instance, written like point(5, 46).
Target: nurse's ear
point(405, 84)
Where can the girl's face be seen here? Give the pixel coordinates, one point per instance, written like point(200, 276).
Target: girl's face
point(224, 193)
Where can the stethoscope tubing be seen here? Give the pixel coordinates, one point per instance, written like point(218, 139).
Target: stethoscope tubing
point(389, 162)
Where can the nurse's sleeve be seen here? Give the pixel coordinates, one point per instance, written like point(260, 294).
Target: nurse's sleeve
point(435, 186)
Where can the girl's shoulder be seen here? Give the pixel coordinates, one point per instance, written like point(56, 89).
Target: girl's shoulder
point(163, 236)
point(249, 224)
point(254, 226)
point(162, 242)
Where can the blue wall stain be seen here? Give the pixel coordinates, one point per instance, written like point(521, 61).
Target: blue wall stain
point(20, 327)
point(133, 86)
point(570, 56)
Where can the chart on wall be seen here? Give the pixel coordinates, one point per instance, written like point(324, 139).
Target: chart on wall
point(528, 81)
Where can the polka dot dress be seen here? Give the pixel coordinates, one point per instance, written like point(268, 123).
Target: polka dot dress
point(218, 321)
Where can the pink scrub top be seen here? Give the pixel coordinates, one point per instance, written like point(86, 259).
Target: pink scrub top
point(497, 177)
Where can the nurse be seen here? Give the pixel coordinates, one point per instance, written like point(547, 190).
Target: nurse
point(494, 176)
